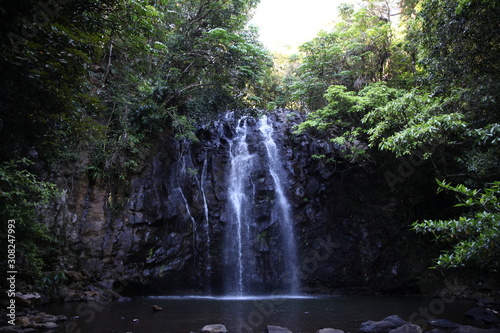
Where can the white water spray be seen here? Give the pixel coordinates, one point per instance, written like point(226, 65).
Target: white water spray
point(239, 197)
point(256, 167)
point(283, 209)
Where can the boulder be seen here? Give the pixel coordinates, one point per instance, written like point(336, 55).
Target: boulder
point(11, 329)
point(376, 327)
point(483, 315)
point(23, 321)
point(489, 303)
point(277, 329)
point(48, 318)
point(436, 330)
point(443, 324)
point(471, 329)
point(214, 328)
point(106, 284)
point(61, 318)
point(44, 326)
point(329, 330)
point(407, 328)
point(156, 308)
point(396, 320)
point(22, 302)
point(32, 297)
point(383, 326)
point(49, 325)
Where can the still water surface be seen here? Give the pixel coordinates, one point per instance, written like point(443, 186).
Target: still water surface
point(299, 314)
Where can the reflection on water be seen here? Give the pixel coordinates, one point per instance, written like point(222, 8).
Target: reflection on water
point(184, 314)
point(238, 297)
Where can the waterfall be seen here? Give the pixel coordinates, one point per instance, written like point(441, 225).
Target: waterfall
point(208, 258)
point(186, 172)
point(282, 209)
point(193, 222)
point(258, 214)
point(237, 252)
point(182, 172)
point(251, 223)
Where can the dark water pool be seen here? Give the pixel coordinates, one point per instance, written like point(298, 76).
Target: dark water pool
point(251, 314)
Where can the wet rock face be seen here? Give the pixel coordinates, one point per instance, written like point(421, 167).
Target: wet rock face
point(168, 230)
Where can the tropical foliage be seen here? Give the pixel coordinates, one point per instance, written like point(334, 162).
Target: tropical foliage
point(22, 197)
point(428, 88)
point(112, 74)
point(475, 236)
point(95, 83)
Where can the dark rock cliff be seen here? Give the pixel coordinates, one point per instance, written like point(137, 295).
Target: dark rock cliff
point(166, 233)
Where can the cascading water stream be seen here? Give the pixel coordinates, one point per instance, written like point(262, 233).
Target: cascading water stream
point(258, 214)
point(182, 172)
point(193, 222)
point(207, 220)
point(259, 245)
point(239, 196)
point(282, 209)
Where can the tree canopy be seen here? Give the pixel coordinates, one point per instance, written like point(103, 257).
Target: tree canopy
point(426, 88)
point(95, 83)
point(101, 80)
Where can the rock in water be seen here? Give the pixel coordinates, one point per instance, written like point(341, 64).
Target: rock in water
point(61, 318)
point(11, 329)
point(484, 315)
point(329, 330)
point(277, 329)
point(407, 328)
point(44, 326)
point(383, 326)
point(471, 329)
point(156, 308)
point(443, 324)
point(23, 321)
point(396, 320)
point(214, 328)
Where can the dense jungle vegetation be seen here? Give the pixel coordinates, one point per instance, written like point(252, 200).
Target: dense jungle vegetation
point(96, 82)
